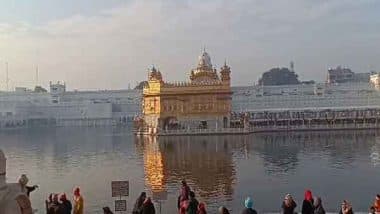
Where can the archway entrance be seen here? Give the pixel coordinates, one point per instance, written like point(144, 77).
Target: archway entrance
point(225, 122)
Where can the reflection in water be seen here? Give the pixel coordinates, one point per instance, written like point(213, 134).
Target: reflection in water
point(221, 169)
point(281, 151)
point(210, 163)
point(153, 165)
point(205, 162)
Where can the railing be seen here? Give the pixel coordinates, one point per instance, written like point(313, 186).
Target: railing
point(203, 131)
point(256, 129)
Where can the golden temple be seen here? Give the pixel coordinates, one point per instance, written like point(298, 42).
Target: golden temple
point(203, 102)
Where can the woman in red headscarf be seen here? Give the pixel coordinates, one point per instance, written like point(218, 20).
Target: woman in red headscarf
point(78, 202)
point(308, 203)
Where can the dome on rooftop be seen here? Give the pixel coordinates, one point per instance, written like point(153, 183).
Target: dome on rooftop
point(204, 60)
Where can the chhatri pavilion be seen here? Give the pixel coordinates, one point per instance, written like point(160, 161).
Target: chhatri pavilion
point(203, 102)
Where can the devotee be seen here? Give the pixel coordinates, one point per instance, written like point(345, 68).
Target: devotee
point(148, 207)
point(288, 205)
point(185, 191)
point(65, 204)
point(193, 204)
point(376, 204)
point(23, 181)
point(346, 208)
point(201, 208)
point(318, 207)
point(248, 203)
point(53, 206)
point(78, 202)
point(183, 207)
point(48, 202)
point(223, 210)
point(139, 203)
point(372, 210)
point(308, 203)
point(107, 210)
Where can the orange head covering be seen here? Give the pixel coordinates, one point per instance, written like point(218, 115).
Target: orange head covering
point(308, 195)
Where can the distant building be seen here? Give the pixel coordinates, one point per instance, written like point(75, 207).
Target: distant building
point(375, 80)
point(279, 76)
point(343, 75)
point(59, 107)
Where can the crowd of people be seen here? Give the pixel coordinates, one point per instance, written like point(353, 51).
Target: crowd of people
point(59, 204)
point(312, 205)
point(187, 203)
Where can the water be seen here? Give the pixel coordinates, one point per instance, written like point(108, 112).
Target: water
point(221, 169)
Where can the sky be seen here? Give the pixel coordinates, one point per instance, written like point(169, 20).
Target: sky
point(110, 44)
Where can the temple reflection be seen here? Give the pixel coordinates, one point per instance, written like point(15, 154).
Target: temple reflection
point(153, 165)
point(205, 162)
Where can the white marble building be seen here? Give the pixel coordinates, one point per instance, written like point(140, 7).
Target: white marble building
point(59, 107)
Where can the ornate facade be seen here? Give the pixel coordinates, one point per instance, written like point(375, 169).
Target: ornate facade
point(203, 102)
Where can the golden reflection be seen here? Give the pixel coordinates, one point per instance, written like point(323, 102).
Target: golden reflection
point(153, 165)
point(205, 162)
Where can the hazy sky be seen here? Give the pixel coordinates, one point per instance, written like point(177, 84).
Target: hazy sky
point(98, 44)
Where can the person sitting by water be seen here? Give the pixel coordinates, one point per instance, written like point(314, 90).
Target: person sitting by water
point(107, 210)
point(202, 208)
point(346, 208)
point(139, 203)
point(23, 181)
point(308, 203)
point(288, 205)
point(148, 207)
point(65, 204)
point(248, 203)
point(318, 208)
point(376, 204)
point(78, 202)
point(223, 210)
